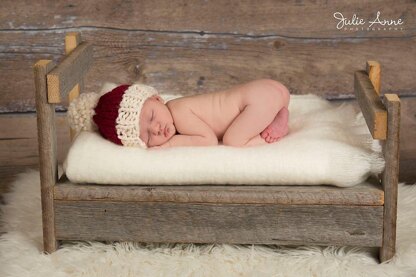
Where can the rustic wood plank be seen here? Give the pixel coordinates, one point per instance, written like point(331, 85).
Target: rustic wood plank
point(177, 63)
point(373, 110)
point(48, 162)
point(19, 142)
point(69, 72)
point(373, 69)
point(390, 176)
point(72, 40)
point(366, 194)
point(292, 19)
point(219, 223)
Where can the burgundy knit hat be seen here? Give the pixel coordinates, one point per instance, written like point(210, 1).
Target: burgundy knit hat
point(106, 113)
point(116, 114)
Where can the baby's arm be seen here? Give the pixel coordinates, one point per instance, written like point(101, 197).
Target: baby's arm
point(193, 130)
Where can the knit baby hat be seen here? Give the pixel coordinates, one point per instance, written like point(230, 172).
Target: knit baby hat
point(116, 113)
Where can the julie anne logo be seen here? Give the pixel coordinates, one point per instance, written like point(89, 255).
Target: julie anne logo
point(378, 23)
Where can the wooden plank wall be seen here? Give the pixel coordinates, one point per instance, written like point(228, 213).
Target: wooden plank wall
point(198, 46)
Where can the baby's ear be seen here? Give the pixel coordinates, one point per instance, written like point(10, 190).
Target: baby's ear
point(158, 98)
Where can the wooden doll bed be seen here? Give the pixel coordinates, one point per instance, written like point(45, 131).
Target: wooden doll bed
point(363, 215)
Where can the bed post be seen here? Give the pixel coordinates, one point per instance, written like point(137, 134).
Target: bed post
point(52, 84)
point(390, 176)
point(382, 115)
point(48, 163)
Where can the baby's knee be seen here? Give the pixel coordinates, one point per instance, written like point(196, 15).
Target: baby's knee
point(279, 93)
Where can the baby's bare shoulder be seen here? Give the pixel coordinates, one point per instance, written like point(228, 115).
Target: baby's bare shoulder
point(179, 108)
point(191, 102)
point(178, 104)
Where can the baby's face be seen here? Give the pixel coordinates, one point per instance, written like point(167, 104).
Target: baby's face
point(156, 122)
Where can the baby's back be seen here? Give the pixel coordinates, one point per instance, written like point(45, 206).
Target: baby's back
point(216, 109)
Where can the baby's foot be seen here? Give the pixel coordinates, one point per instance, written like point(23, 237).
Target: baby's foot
point(278, 128)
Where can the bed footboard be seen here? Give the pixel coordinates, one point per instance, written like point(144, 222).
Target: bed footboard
point(382, 114)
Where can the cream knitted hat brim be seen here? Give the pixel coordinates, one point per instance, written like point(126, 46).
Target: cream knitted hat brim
point(127, 122)
point(116, 114)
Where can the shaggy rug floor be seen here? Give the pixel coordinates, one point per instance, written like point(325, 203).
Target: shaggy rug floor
point(21, 250)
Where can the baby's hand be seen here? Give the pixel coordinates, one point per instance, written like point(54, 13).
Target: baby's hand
point(165, 145)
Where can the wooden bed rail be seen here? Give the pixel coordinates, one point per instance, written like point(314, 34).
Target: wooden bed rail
point(66, 78)
point(373, 109)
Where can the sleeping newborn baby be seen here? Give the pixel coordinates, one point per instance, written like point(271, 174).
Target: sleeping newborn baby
point(249, 114)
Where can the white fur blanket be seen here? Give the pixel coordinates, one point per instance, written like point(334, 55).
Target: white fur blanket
point(327, 144)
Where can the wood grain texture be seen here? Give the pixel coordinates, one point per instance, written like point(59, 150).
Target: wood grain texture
point(48, 162)
point(373, 109)
point(292, 19)
point(367, 194)
point(69, 72)
point(72, 40)
point(19, 141)
point(373, 69)
point(219, 223)
point(407, 155)
point(390, 176)
point(190, 63)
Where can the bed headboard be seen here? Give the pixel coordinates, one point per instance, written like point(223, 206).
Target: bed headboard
point(67, 78)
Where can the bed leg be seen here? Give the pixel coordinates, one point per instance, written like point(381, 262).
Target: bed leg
point(390, 176)
point(48, 163)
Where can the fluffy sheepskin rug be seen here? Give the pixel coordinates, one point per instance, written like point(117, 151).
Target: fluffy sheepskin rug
point(21, 250)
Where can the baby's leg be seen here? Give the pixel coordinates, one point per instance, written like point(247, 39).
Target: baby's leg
point(258, 114)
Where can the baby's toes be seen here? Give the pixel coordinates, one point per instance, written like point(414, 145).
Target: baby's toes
point(264, 134)
point(267, 138)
